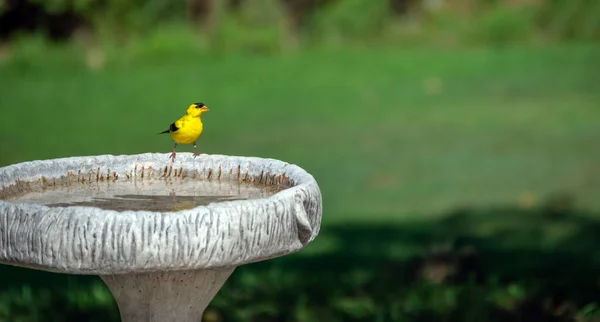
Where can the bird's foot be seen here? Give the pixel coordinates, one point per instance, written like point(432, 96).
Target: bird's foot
point(196, 154)
point(172, 156)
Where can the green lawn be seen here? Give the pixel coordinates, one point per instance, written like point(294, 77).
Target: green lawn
point(380, 143)
point(411, 148)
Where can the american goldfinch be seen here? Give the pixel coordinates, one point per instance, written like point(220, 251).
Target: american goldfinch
point(188, 128)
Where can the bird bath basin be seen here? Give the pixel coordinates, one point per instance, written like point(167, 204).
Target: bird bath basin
point(163, 236)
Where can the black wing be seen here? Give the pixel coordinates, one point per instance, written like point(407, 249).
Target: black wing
point(172, 128)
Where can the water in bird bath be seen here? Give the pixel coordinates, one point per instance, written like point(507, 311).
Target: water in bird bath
point(154, 195)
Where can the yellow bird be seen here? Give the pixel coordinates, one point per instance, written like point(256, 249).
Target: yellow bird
point(188, 128)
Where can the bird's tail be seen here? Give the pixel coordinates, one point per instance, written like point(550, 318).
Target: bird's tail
point(167, 131)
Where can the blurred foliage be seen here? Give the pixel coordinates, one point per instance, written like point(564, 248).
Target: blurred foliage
point(255, 27)
point(118, 17)
point(503, 25)
point(571, 20)
point(268, 26)
point(350, 20)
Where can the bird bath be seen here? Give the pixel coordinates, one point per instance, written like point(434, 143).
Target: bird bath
point(163, 236)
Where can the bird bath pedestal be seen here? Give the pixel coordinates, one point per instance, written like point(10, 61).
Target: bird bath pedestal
point(163, 236)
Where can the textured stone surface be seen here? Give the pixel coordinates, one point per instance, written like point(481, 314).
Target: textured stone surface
point(178, 296)
point(83, 240)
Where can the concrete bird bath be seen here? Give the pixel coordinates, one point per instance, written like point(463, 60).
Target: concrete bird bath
point(163, 236)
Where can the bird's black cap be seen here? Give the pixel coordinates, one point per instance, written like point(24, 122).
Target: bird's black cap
point(199, 104)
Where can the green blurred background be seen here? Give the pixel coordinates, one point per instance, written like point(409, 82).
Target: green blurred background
point(456, 143)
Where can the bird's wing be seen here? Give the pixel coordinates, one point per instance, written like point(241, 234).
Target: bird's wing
point(175, 126)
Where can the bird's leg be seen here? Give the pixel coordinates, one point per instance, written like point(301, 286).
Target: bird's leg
point(173, 153)
point(195, 151)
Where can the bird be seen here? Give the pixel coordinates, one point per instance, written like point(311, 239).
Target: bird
point(188, 128)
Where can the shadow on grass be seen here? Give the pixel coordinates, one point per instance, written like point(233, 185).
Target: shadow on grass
point(503, 264)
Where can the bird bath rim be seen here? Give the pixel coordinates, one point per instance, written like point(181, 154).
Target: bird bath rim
point(86, 240)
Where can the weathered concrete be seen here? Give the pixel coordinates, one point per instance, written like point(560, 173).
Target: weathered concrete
point(153, 249)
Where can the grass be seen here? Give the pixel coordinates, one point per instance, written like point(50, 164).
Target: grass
point(384, 131)
point(412, 149)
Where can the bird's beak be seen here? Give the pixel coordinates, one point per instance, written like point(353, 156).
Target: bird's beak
point(204, 109)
